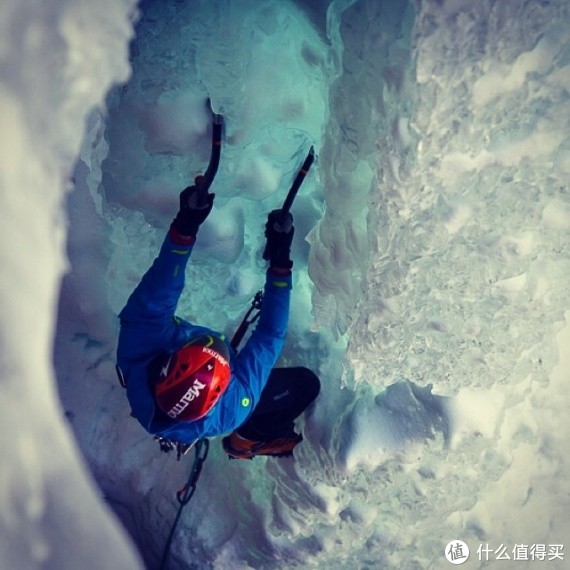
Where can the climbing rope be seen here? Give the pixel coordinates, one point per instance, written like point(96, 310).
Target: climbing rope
point(185, 494)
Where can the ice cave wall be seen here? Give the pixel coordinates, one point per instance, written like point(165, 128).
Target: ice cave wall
point(447, 121)
point(439, 268)
point(59, 58)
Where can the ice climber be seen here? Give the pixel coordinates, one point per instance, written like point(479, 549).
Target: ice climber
point(185, 382)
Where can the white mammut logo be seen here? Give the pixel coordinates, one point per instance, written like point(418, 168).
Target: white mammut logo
point(192, 393)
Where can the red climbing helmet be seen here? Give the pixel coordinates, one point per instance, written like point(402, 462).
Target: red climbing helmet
point(194, 378)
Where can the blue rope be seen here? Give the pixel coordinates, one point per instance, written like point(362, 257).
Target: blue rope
point(185, 494)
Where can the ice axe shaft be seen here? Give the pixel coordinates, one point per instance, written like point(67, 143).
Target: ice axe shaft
point(217, 123)
point(203, 182)
point(292, 194)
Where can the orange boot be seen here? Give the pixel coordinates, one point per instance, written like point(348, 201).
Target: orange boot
point(238, 447)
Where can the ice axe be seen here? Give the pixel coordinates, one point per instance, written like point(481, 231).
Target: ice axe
point(303, 171)
point(292, 194)
point(204, 181)
point(254, 311)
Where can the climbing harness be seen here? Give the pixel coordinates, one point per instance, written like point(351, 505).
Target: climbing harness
point(185, 494)
point(167, 445)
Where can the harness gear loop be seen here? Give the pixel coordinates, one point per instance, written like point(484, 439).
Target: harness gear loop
point(166, 446)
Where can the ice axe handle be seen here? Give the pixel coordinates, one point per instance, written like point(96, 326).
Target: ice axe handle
point(292, 194)
point(217, 124)
point(204, 182)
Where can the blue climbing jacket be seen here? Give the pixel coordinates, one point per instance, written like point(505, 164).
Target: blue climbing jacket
point(150, 329)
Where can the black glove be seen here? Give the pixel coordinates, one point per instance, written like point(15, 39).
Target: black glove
point(279, 232)
point(195, 206)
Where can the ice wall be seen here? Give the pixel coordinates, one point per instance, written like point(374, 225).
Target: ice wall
point(58, 60)
point(437, 220)
point(467, 286)
point(472, 234)
point(132, 167)
point(368, 97)
point(273, 103)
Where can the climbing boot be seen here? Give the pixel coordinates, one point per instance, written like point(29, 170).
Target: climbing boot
point(238, 447)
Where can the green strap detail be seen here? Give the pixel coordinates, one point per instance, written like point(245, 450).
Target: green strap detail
point(180, 251)
point(280, 284)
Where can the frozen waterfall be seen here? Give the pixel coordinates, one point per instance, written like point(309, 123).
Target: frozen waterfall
point(430, 280)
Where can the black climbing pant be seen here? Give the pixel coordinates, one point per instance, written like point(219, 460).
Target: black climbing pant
point(289, 391)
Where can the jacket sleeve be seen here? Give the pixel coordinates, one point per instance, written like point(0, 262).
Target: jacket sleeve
point(259, 355)
point(156, 296)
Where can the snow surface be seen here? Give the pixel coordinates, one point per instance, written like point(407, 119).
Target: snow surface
point(431, 274)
